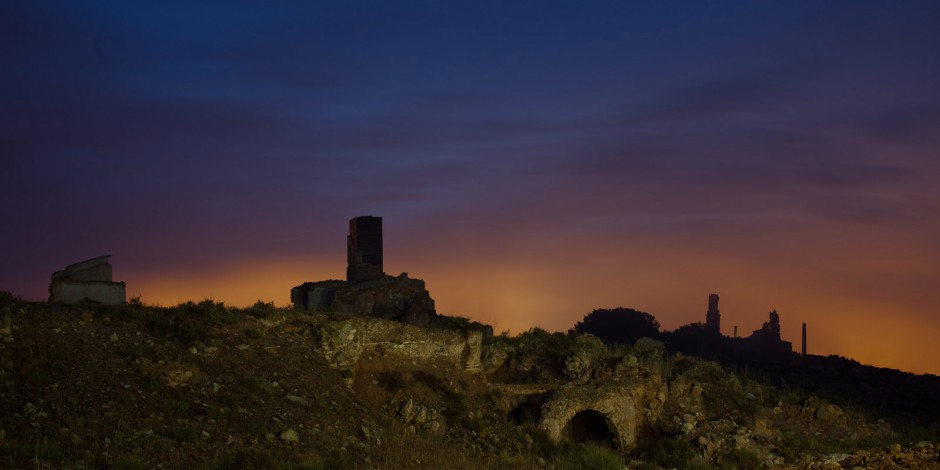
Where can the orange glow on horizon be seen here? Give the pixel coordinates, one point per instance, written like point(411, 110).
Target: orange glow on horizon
point(522, 294)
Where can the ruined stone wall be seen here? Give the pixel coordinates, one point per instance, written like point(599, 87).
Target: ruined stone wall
point(364, 249)
point(87, 280)
point(107, 293)
point(396, 298)
point(344, 342)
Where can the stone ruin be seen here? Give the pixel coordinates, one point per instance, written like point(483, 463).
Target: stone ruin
point(764, 343)
point(364, 249)
point(368, 290)
point(713, 316)
point(89, 280)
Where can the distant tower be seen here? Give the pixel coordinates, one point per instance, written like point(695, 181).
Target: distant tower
point(364, 249)
point(712, 317)
point(804, 338)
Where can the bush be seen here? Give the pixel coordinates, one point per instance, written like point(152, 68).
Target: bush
point(183, 433)
point(264, 460)
point(590, 457)
point(189, 322)
point(261, 309)
point(669, 453)
point(741, 459)
point(6, 297)
point(618, 325)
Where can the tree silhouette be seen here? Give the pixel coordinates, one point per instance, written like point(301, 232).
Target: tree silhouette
point(618, 325)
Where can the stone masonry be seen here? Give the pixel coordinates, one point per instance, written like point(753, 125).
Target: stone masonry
point(89, 280)
point(364, 249)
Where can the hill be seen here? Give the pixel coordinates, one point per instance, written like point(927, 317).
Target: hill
point(201, 385)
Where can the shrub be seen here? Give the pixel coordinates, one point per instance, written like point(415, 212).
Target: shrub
point(741, 459)
point(6, 297)
point(261, 309)
point(263, 460)
point(189, 322)
point(135, 351)
point(129, 462)
point(176, 408)
point(252, 333)
point(183, 433)
point(669, 453)
point(618, 325)
point(590, 457)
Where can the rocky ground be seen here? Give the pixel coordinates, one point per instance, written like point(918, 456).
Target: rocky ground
point(204, 386)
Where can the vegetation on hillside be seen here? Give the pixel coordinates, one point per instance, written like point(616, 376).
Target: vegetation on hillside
point(205, 385)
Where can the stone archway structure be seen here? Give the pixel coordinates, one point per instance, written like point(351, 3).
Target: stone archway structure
point(580, 413)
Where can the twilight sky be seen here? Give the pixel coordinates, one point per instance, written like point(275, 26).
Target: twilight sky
point(532, 160)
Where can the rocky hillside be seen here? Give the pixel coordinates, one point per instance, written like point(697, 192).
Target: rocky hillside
point(204, 386)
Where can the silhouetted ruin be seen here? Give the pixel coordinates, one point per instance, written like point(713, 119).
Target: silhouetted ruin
point(804, 338)
point(713, 317)
point(765, 343)
point(364, 249)
point(369, 291)
point(705, 339)
point(88, 280)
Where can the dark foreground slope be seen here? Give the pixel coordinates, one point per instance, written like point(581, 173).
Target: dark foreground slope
point(204, 386)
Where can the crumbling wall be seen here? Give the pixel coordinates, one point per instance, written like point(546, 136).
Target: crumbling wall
point(107, 293)
point(343, 343)
point(364, 249)
point(87, 280)
point(394, 298)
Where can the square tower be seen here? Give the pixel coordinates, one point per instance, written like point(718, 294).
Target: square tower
point(712, 316)
point(364, 249)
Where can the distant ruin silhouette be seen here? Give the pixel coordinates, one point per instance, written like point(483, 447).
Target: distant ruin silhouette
point(88, 280)
point(712, 316)
point(368, 291)
point(705, 339)
point(763, 344)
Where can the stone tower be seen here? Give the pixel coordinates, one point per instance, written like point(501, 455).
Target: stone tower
point(364, 249)
point(804, 338)
point(712, 317)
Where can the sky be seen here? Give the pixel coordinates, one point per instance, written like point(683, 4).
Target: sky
point(532, 161)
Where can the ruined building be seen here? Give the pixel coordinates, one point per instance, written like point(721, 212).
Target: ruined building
point(712, 317)
point(367, 289)
point(765, 343)
point(364, 249)
point(89, 280)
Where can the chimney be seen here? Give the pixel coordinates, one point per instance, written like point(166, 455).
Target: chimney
point(804, 338)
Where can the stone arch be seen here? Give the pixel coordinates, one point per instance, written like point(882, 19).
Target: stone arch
point(581, 413)
point(591, 427)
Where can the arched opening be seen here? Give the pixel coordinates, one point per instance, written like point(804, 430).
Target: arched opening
point(591, 427)
point(529, 410)
point(526, 412)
